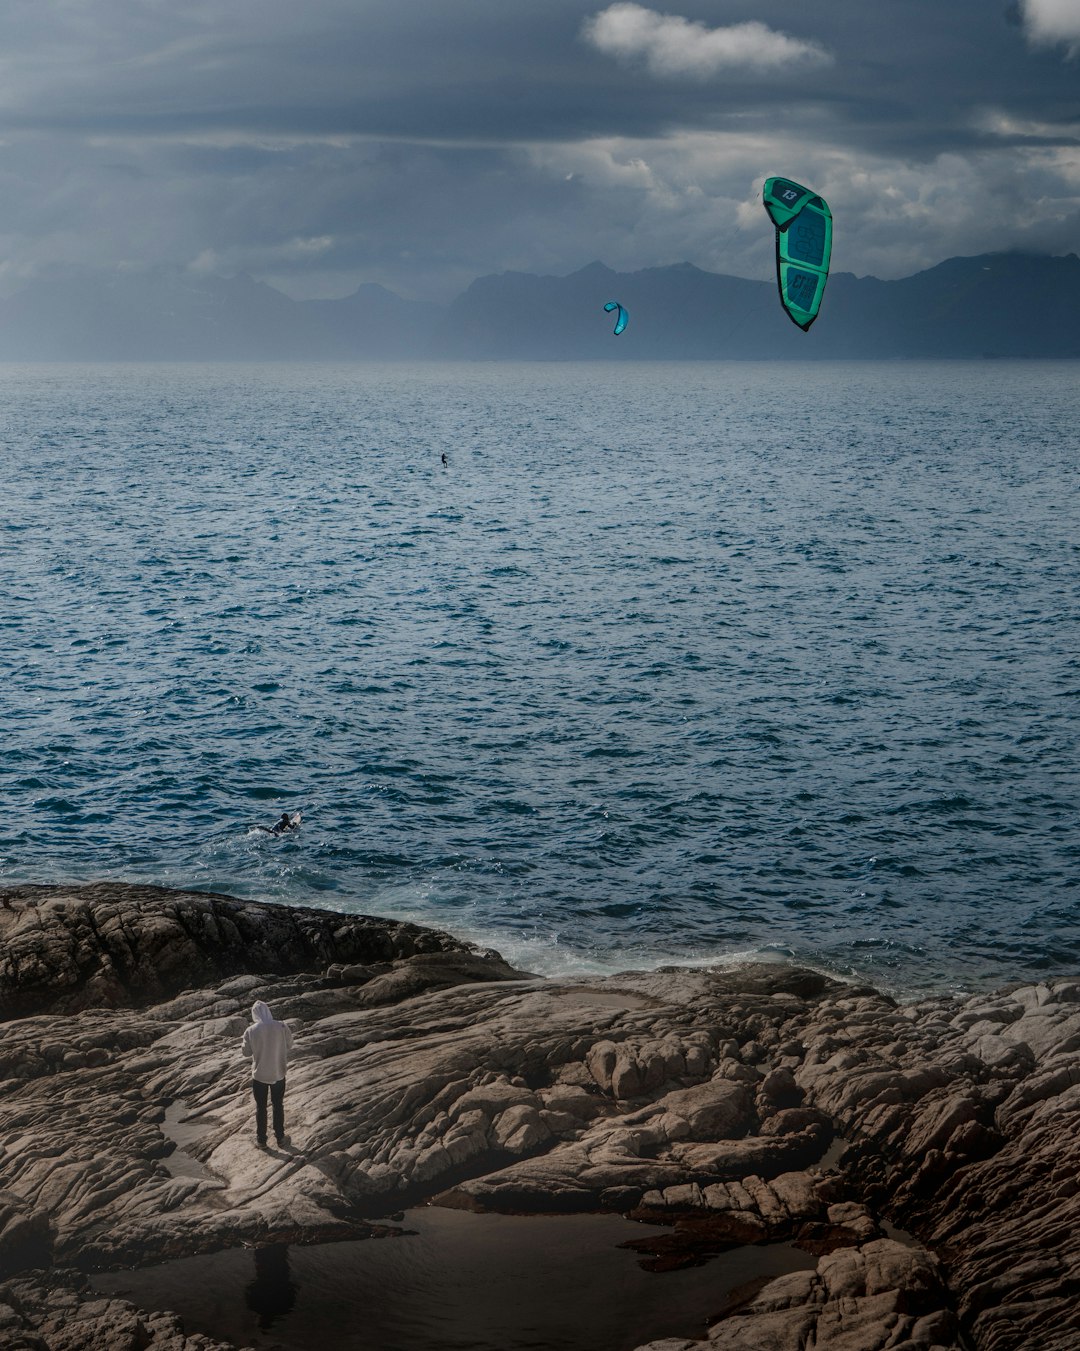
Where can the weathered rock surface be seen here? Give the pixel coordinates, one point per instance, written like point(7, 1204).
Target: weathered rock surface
point(706, 1101)
point(59, 1311)
point(883, 1295)
point(105, 945)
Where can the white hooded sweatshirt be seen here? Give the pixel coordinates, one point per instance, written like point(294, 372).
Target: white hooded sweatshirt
point(266, 1044)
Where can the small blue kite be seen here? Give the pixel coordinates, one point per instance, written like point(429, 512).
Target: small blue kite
point(623, 316)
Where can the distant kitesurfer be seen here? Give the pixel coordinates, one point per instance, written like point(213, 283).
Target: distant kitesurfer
point(267, 1044)
point(284, 823)
point(445, 461)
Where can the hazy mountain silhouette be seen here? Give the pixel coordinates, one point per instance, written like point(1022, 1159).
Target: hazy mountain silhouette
point(173, 314)
point(996, 305)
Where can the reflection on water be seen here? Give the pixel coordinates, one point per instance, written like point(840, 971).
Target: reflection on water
point(272, 1293)
point(452, 1282)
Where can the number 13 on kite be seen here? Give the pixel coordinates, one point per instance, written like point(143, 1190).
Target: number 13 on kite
point(803, 247)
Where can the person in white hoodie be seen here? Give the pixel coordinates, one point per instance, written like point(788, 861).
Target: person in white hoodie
point(267, 1044)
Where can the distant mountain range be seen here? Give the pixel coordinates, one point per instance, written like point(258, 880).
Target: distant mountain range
point(996, 305)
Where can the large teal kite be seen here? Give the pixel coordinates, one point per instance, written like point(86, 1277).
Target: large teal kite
point(803, 247)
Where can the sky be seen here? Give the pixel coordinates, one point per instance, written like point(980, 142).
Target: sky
point(320, 144)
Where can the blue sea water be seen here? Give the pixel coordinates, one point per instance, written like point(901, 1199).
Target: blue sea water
point(669, 663)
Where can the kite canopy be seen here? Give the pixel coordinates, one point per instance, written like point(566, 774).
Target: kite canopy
point(803, 247)
point(620, 323)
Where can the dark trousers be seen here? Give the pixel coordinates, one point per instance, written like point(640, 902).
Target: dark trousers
point(277, 1099)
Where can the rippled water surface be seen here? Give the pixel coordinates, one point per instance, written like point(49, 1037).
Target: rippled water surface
point(670, 662)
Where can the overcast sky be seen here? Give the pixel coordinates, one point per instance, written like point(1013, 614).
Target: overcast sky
point(318, 144)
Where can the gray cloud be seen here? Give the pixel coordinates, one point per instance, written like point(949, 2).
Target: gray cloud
point(419, 145)
point(1054, 21)
point(668, 44)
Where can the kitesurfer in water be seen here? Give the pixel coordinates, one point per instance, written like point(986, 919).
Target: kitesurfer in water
point(284, 823)
point(445, 461)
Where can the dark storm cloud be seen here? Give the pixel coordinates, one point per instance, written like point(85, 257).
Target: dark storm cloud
point(423, 142)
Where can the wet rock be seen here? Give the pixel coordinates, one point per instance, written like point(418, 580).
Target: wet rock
point(25, 1236)
point(68, 948)
point(59, 1311)
point(882, 1295)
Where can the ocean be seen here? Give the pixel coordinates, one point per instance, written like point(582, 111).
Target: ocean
point(669, 663)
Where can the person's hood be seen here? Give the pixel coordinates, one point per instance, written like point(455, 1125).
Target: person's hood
point(260, 1012)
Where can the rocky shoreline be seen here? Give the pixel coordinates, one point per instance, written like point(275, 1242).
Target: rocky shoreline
point(928, 1155)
